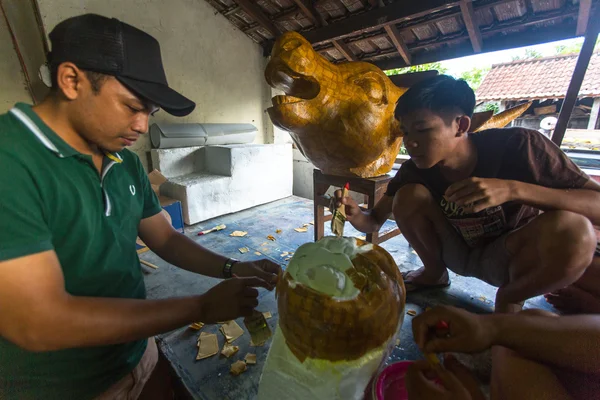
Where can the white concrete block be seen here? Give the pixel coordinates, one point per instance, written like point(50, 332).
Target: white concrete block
point(258, 174)
point(177, 162)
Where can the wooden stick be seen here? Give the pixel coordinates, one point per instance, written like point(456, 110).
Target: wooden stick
point(143, 250)
point(146, 263)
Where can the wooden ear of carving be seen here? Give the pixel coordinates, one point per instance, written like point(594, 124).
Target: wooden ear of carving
point(502, 119)
point(480, 118)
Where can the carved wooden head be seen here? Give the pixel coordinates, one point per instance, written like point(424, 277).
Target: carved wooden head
point(341, 117)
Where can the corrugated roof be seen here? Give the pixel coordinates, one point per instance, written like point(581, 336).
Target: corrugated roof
point(540, 78)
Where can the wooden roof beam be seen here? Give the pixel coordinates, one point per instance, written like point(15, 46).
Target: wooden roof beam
point(399, 43)
point(583, 17)
point(468, 15)
point(344, 49)
point(378, 18)
point(255, 12)
point(311, 13)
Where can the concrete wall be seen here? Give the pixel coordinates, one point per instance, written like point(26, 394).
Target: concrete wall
point(12, 82)
point(205, 58)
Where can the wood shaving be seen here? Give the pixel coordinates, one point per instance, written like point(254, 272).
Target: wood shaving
point(414, 252)
point(267, 314)
point(238, 233)
point(197, 326)
point(482, 298)
point(362, 237)
point(258, 253)
point(301, 229)
point(238, 367)
point(412, 313)
point(278, 231)
point(312, 222)
point(305, 225)
point(208, 345)
point(264, 244)
point(231, 330)
point(250, 358)
point(229, 350)
point(244, 250)
point(271, 238)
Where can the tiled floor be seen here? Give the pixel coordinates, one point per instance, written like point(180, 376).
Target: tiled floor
point(210, 378)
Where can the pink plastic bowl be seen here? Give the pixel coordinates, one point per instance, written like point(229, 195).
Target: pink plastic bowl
point(390, 382)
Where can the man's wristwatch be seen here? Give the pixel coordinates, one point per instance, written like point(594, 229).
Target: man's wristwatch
point(228, 266)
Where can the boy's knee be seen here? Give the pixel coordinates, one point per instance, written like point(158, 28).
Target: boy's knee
point(411, 198)
point(569, 231)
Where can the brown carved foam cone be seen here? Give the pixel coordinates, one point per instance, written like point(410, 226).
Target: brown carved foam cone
point(318, 326)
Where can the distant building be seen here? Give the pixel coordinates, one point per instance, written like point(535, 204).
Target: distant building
point(545, 82)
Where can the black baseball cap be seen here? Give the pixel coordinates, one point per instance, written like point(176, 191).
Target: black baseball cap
point(109, 46)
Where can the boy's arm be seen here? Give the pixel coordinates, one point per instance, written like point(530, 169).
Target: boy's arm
point(584, 201)
point(366, 221)
point(476, 194)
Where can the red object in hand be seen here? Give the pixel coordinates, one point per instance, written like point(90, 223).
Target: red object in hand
point(347, 186)
point(441, 325)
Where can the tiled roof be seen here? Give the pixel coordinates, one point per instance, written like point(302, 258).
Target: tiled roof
point(540, 78)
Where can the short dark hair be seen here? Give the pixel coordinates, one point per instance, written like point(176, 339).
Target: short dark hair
point(96, 79)
point(441, 94)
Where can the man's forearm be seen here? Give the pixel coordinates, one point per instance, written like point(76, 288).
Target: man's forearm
point(183, 252)
point(71, 322)
point(570, 341)
point(581, 201)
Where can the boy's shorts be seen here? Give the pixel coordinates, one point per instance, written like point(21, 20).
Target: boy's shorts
point(489, 262)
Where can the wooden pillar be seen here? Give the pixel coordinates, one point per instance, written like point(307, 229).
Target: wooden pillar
point(594, 114)
point(578, 74)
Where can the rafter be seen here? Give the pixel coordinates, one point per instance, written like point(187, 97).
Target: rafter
point(399, 43)
point(255, 12)
point(468, 15)
point(311, 13)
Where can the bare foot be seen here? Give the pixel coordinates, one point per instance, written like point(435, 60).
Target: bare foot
point(423, 277)
point(574, 300)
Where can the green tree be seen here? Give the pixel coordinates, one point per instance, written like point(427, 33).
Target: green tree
point(418, 68)
point(475, 76)
point(529, 54)
point(573, 48)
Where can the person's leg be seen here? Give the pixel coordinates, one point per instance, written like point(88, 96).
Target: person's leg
point(549, 253)
point(583, 296)
point(160, 384)
point(423, 223)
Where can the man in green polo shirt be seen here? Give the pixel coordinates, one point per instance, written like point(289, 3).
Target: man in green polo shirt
point(74, 321)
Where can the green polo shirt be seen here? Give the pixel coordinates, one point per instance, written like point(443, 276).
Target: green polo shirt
point(53, 198)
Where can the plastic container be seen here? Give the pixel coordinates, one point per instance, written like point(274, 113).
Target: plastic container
point(389, 384)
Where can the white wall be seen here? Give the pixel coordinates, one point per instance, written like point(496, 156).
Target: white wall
point(12, 82)
point(205, 57)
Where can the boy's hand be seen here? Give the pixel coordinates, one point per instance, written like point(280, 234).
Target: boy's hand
point(466, 333)
point(457, 382)
point(477, 194)
point(351, 207)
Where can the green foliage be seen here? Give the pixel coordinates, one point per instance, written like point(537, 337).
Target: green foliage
point(529, 54)
point(573, 48)
point(492, 105)
point(418, 68)
point(475, 76)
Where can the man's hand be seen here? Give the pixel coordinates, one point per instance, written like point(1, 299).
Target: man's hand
point(466, 333)
point(477, 194)
point(264, 269)
point(457, 382)
point(351, 207)
point(230, 299)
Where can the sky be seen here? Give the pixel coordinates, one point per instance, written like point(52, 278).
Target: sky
point(459, 65)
